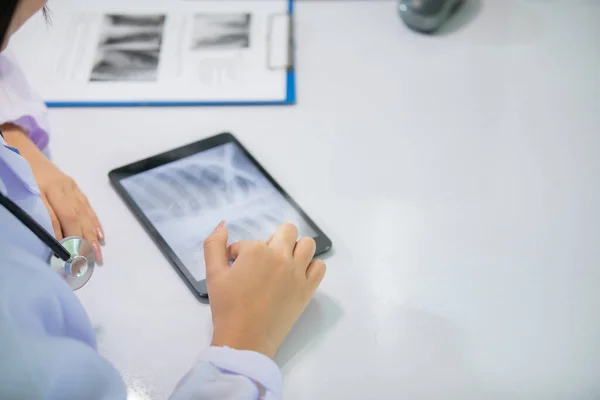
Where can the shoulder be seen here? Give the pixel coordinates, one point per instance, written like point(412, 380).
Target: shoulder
point(14, 82)
point(20, 103)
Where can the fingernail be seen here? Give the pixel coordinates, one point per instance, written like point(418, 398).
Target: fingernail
point(98, 254)
point(220, 227)
point(100, 235)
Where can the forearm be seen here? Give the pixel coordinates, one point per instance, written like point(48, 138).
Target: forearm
point(16, 137)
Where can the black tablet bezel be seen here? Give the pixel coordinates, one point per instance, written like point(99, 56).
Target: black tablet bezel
point(116, 175)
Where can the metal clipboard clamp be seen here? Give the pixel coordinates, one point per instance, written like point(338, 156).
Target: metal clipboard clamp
point(280, 42)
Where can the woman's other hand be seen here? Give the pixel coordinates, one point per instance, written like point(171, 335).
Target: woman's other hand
point(256, 302)
point(69, 209)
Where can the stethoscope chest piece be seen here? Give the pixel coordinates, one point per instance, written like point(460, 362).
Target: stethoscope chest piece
point(79, 269)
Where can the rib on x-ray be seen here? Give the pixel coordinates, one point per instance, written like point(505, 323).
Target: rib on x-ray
point(186, 199)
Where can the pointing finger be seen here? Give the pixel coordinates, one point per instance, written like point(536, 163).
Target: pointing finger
point(215, 251)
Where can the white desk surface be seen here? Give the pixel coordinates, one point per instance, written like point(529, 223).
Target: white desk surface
point(458, 176)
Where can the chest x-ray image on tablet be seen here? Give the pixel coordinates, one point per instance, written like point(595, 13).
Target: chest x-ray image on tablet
point(180, 196)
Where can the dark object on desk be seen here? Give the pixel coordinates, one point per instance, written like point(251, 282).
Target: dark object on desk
point(426, 16)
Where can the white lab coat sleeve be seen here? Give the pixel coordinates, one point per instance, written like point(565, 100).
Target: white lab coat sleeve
point(63, 368)
point(48, 347)
point(228, 374)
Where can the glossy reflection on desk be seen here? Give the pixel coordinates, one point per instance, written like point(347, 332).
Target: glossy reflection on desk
point(457, 176)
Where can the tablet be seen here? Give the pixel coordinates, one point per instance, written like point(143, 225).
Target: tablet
point(181, 195)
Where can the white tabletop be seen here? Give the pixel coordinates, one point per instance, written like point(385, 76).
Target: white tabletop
point(458, 177)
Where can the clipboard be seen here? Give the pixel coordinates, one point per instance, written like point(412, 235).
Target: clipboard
point(280, 39)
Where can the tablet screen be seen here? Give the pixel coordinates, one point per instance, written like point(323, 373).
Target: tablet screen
point(185, 200)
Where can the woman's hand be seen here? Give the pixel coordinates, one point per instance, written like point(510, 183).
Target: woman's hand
point(256, 302)
point(69, 209)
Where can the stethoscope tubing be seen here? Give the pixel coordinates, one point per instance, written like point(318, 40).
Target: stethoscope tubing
point(58, 249)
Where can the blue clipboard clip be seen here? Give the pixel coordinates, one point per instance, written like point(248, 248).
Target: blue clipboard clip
point(280, 40)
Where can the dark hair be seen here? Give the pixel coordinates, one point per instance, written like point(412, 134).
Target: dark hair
point(7, 10)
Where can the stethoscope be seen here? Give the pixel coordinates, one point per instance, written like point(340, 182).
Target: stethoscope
point(73, 257)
